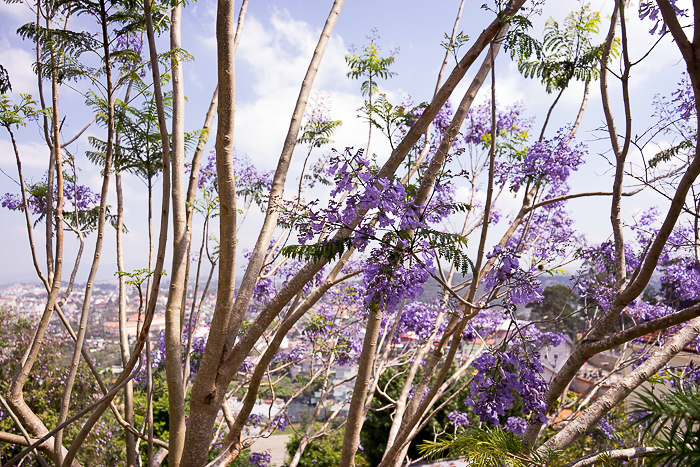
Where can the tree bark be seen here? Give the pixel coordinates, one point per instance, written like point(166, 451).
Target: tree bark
point(178, 277)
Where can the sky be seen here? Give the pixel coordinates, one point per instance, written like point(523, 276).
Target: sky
point(276, 47)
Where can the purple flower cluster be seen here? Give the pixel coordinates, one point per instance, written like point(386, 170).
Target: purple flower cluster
point(78, 197)
point(458, 419)
point(485, 323)
point(255, 419)
point(605, 428)
point(682, 275)
point(531, 339)
point(596, 280)
point(500, 377)
point(521, 286)
point(478, 123)
point(516, 425)
point(266, 288)
point(251, 184)
point(12, 202)
point(419, 318)
point(548, 234)
point(391, 276)
point(548, 161)
point(132, 45)
point(289, 356)
point(280, 422)
point(349, 345)
point(684, 98)
point(260, 459)
point(649, 9)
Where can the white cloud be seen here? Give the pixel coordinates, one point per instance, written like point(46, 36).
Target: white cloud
point(33, 155)
point(15, 12)
point(18, 63)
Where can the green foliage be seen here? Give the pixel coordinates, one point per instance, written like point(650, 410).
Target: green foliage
point(385, 116)
point(676, 150)
point(453, 45)
point(140, 151)
point(324, 250)
point(5, 84)
point(18, 114)
point(566, 52)
point(672, 421)
point(137, 277)
point(60, 51)
point(449, 245)
point(44, 389)
point(321, 452)
point(317, 132)
point(369, 65)
point(481, 448)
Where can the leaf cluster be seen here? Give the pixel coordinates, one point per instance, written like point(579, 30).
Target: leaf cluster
point(317, 133)
point(18, 114)
point(5, 84)
point(674, 151)
point(481, 448)
point(324, 250)
point(672, 421)
point(370, 65)
point(565, 53)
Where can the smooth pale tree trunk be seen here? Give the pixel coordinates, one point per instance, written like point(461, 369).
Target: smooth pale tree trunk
point(198, 434)
point(15, 398)
point(162, 244)
point(351, 440)
point(210, 388)
point(232, 444)
point(106, 174)
point(131, 459)
point(123, 336)
point(178, 277)
point(194, 179)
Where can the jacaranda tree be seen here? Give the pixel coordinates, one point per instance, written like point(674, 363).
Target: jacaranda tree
point(403, 265)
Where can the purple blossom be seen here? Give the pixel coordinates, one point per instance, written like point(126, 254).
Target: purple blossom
point(255, 419)
point(500, 377)
point(11, 201)
point(605, 427)
point(478, 123)
point(521, 286)
point(684, 99)
point(128, 49)
point(280, 422)
point(78, 197)
point(289, 356)
point(349, 346)
point(547, 161)
point(458, 419)
point(419, 318)
point(388, 280)
point(516, 425)
point(260, 459)
point(650, 10)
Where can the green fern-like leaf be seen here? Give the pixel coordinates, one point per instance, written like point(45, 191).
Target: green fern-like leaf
point(324, 250)
point(667, 154)
point(480, 448)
